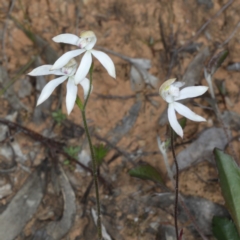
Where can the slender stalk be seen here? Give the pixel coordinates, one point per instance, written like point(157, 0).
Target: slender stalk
point(94, 162)
point(162, 149)
point(224, 125)
point(176, 184)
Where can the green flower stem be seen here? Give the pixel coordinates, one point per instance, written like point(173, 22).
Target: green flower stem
point(82, 107)
point(176, 184)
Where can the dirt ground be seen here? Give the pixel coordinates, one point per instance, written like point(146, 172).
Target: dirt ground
point(126, 115)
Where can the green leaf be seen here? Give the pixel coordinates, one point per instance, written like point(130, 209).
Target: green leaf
point(100, 152)
point(66, 162)
point(146, 172)
point(216, 61)
point(72, 150)
point(229, 175)
point(224, 229)
point(222, 56)
point(221, 85)
point(58, 116)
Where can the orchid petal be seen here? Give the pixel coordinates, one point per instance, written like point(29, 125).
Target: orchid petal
point(178, 84)
point(85, 83)
point(190, 92)
point(66, 57)
point(66, 38)
point(106, 61)
point(173, 120)
point(49, 88)
point(45, 70)
point(71, 95)
point(84, 67)
point(186, 112)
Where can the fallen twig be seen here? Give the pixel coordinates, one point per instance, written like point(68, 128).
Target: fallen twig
point(50, 143)
point(231, 35)
point(204, 26)
point(126, 97)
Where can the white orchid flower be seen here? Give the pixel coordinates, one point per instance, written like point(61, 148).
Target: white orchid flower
point(171, 93)
point(67, 71)
point(85, 42)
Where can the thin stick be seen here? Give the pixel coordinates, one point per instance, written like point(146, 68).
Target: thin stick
point(126, 97)
point(176, 184)
point(204, 26)
point(52, 144)
point(231, 35)
point(224, 125)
